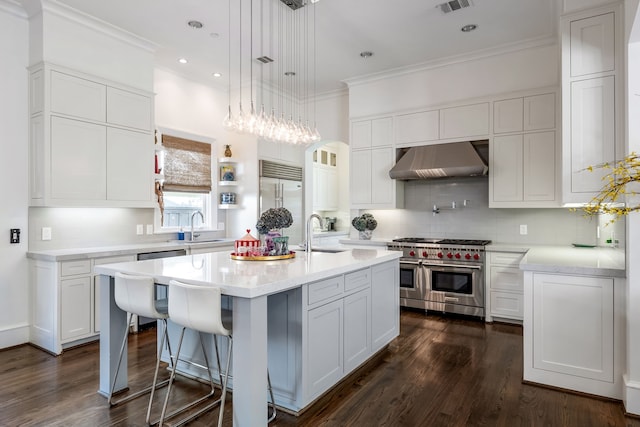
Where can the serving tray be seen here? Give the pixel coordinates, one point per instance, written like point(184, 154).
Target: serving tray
point(262, 257)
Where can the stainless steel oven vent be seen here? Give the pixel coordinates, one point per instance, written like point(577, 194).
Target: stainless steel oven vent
point(452, 6)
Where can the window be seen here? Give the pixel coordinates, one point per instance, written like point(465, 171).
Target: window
point(187, 185)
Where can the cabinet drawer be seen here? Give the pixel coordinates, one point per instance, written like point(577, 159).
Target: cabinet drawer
point(507, 278)
point(325, 289)
point(508, 305)
point(505, 258)
point(70, 268)
point(357, 279)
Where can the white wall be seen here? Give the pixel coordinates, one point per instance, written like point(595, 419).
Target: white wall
point(14, 309)
point(332, 114)
point(513, 71)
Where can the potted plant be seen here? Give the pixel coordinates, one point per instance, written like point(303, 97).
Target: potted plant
point(270, 224)
point(365, 224)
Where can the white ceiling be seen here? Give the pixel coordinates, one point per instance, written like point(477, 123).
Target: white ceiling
point(400, 33)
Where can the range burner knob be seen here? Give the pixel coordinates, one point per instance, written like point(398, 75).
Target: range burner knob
point(425, 254)
point(449, 255)
point(412, 253)
point(467, 256)
point(458, 256)
point(440, 255)
point(476, 256)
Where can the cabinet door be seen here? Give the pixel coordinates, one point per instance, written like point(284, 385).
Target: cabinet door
point(77, 97)
point(592, 45)
point(357, 329)
point(382, 132)
point(385, 304)
point(325, 351)
point(382, 186)
point(332, 189)
point(128, 109)
point(507, 115)
point(129, 168)
point(540, 166)
point(506, 168)
point(75, 308)
point(540, 112)
point(417, 127)
point(78, 160)
point(361, 134)
point(360, 174)
point(506, 278)
point(573, 325)
point(592, 132)
point(468, 120)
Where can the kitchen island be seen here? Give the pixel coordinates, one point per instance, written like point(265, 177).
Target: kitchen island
point(317, 316)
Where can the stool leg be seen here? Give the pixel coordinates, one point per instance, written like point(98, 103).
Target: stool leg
point(206, 362)
point(165, 336)
point(124, 343)
point(173, 374)
point(224, 386)
point(273, 402)
point(215, 343)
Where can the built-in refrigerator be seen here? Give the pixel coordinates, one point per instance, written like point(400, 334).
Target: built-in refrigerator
point(281, 186)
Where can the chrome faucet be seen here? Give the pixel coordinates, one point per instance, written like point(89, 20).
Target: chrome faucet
point(307, 242)
point(201, 217)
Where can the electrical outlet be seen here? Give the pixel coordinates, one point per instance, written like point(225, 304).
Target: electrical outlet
point(149, 228)
point(15, 235)
point(523, 229)
point(46, 233)
point(221, 226)
point(139, 230)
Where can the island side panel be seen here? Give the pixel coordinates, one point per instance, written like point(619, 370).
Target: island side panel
point(112, 326)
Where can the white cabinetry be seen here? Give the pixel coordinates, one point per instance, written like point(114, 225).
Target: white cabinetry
point(91, 141)
point(325, 179)
point(504, 282)
point(573, 332)
point(291, 154)
point(592, 86)
point(464, 121)
point(372, 156)
point(75, 300)
point(523, 170)
point(417, 127)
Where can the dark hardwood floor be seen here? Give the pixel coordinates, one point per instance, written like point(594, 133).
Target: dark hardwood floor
point(441, 371)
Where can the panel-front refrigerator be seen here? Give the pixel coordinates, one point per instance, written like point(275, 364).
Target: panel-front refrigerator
point(280, 192)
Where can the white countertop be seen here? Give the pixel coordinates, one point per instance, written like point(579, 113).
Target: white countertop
point(250, 279)
point(105, 251)
point(607, 262)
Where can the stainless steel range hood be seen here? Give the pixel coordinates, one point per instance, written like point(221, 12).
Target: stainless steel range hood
point(455, 159)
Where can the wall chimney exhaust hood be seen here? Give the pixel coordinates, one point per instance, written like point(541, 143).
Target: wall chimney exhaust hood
point(455, 159)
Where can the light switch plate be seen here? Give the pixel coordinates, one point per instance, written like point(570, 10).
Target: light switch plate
point(149, 228)
point(46, 233)
point(523, 229)
point(139, 230)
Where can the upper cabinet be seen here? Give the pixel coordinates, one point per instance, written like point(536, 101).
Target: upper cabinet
point(91, 141)
point(465, 121)
point(592, 87)
point(372, 155)
point(417, 127)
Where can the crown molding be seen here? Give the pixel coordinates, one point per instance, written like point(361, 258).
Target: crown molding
point(452, 60)
point(14, 8)
point(64, 11)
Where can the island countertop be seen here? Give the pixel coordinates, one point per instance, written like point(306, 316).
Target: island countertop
point(606, 262)
point(250, 279)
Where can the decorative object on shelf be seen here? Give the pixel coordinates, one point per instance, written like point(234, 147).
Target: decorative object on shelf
point(270, 222)
point(227, 198)
point(295, 34)
point(365, 224)
point(227, 173)
point(623, 174)
point(227, 151)
point(160, 198)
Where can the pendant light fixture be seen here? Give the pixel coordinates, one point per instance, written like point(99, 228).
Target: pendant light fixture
point(287, 122)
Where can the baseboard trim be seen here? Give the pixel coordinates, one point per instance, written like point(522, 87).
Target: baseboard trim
point(631, 396)
point(14, 335)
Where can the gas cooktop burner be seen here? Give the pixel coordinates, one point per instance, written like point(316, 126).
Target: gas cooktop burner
point(469, 242)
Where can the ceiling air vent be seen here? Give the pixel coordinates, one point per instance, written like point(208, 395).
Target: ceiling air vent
point(293, 4)
point(453, 5)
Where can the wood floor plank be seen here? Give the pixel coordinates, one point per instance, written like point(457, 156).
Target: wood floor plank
point(441, 371)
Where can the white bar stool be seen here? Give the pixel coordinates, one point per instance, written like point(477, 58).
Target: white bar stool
point(199, 308)
point(136, 295)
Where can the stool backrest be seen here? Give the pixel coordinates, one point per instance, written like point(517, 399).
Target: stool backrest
point(136, 294)
point(196, 307)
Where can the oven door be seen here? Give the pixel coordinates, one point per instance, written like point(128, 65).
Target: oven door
point(411, 282)
point(455, 284)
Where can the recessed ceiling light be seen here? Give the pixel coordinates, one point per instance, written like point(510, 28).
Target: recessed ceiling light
point(214, 35)
point(217, 75)
point(182, 60)
point(366, 54)
point(195, 24)
point(468, 28)
point(289, 73)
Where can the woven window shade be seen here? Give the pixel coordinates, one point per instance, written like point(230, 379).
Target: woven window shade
point(187, 165)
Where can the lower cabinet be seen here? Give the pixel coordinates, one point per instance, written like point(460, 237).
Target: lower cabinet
point(75, 308)
point(573, 332)
point(325, 327)
point(504, 282)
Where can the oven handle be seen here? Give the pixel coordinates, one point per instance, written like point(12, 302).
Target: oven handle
point(410, 262)
point(435, 266)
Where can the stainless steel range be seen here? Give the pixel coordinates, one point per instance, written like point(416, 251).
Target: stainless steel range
point(445, 275)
